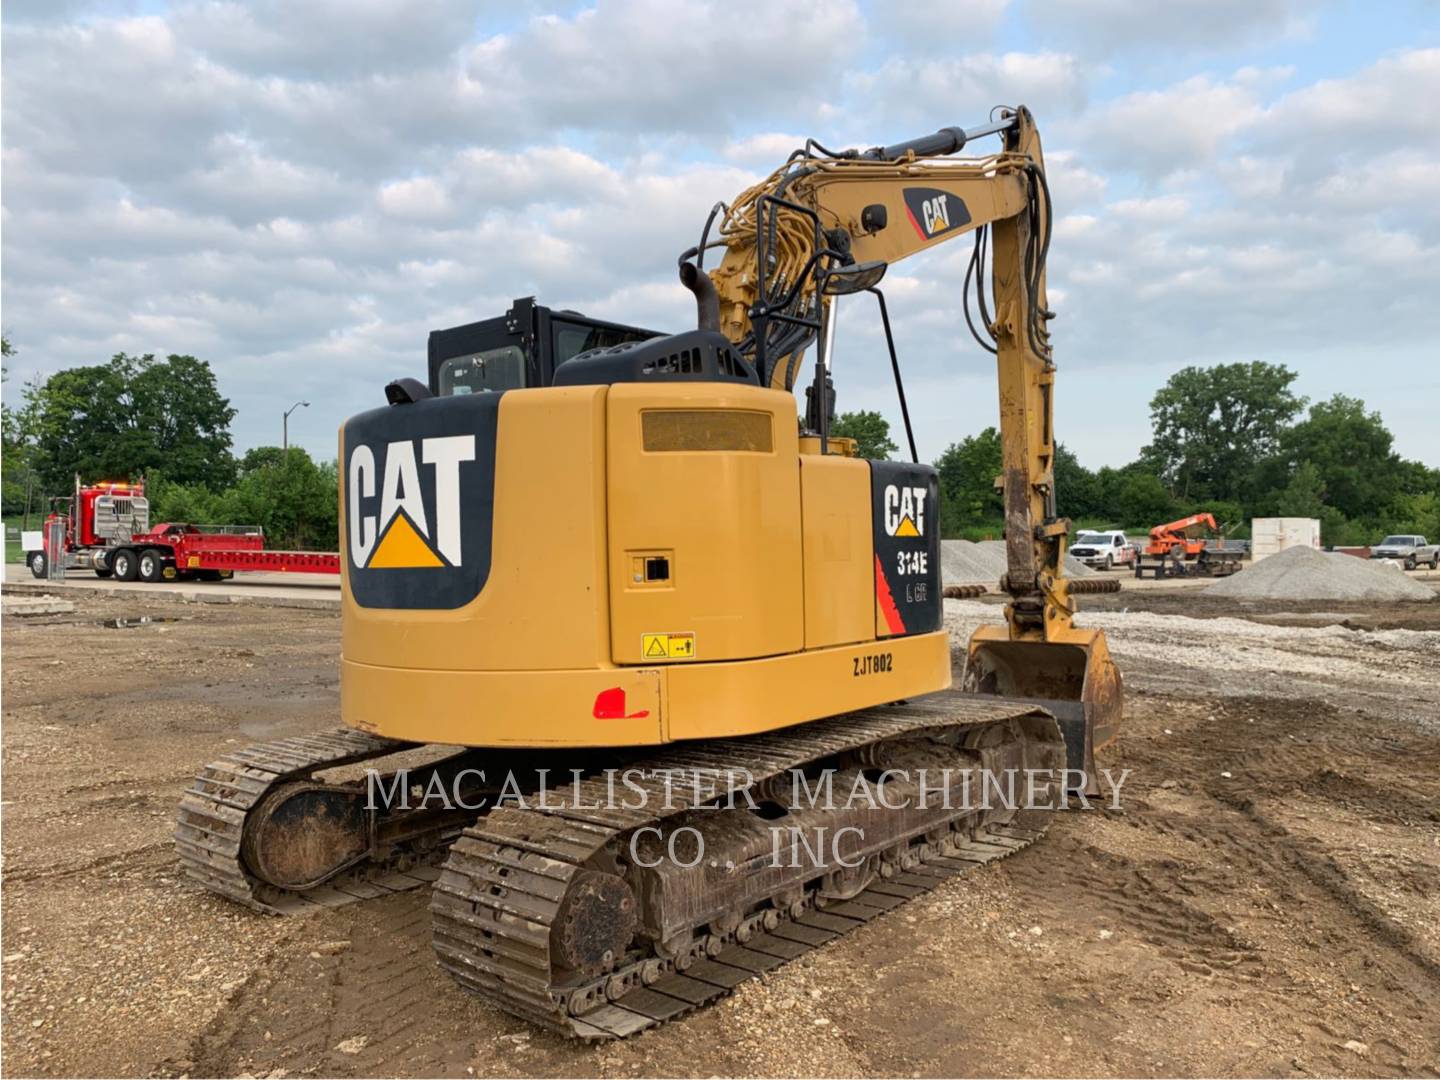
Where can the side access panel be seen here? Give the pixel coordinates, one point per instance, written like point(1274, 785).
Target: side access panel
point(839, 550)
point(704, 523)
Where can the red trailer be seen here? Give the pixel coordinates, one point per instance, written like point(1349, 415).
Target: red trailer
point(105, 527)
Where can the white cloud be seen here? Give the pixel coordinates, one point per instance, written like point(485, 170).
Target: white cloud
point(939, 26)
point(421, 199)
point(297, 199)
point(646, 65)
point(905, 93)
point(1386, 103)
point(765, 150)
point(1072, 183)
point(325, 38)
point(1156, 132)
point(1107, 27)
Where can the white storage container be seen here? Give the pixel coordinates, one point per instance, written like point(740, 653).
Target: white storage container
point(1271, 535)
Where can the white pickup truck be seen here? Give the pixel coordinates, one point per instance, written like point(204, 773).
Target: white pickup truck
point(1410, 549)
point(1103, 550)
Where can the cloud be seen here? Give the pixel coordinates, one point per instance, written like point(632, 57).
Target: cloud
point(322, 39)
point(1108, 27)
point(1157, 132)
point(647, 65)
point(928, 27)
point(301, 192)
point(961, 90)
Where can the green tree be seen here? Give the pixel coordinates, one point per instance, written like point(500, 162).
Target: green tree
point(871, 433)
point(134, 415)
point(261, 457)
point(1210, 426)
point(193, 504)
point(287, 493)
point(1143, 498)
point(967, 482)
point(290, 496)
point(1304, 495)
point(1351, 454)
point(1418, 513)
point(1228, 515)
point(19, 491)
point(1077, 489)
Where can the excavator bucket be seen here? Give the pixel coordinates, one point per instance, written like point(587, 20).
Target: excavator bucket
point(1072, 677)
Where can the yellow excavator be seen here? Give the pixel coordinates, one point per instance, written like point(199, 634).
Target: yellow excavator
point(635, 612)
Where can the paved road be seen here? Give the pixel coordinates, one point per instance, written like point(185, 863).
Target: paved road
point(310, 588)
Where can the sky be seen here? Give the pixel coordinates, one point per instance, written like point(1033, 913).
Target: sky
point(298, 191)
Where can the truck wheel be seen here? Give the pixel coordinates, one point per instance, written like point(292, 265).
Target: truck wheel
point(125, 565)
point(152, 565)
point(1435, 561)
point(39, 566)
point(1109, 562)
point(1409, 562)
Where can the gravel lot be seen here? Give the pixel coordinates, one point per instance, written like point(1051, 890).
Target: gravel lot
point(1266, 902)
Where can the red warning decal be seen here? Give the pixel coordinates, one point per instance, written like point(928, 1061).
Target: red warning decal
point(610, 705)
point(886, 601)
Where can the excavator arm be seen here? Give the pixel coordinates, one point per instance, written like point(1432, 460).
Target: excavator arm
point(826, 224)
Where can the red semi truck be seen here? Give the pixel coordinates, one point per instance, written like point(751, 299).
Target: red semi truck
point(106, 528)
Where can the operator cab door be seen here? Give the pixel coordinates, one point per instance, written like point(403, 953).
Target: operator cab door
point(490, 355)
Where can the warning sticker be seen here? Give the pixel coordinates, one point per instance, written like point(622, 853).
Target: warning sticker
point(668, 646)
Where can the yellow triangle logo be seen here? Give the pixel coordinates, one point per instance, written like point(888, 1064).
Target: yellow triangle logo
point(907, 528)
point(402, 546)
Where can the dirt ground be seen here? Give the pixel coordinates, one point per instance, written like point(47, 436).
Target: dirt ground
point(1265, 902)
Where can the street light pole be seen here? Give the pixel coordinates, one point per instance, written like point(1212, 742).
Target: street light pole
point(285, 426)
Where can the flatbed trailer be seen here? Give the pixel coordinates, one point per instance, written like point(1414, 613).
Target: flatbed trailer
point(105, 528)
point(187, 549)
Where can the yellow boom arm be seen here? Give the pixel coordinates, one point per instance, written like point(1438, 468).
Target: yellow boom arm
point(883, 205)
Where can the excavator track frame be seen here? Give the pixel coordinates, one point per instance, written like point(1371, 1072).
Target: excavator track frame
point(231, 794)
point(502, 897)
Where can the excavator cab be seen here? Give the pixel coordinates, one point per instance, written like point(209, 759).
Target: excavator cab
point(519, 349)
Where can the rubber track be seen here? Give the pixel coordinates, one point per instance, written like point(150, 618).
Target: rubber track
point(500, 889)
point(211, 820)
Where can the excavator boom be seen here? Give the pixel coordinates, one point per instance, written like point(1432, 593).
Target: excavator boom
point(851, 214)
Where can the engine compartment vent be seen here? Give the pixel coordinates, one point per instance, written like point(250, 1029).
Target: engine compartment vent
point(692, 356)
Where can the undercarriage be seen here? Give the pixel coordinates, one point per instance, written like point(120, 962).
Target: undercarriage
point(598, 902)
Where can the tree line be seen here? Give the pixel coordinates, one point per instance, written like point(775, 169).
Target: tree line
point(1233, 439)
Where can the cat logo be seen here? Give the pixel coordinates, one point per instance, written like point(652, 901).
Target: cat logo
point(904, 510)
point(934, 212)
point(403, 536)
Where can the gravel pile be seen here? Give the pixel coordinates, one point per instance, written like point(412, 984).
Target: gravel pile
point(1302, 573)
point(963, 562)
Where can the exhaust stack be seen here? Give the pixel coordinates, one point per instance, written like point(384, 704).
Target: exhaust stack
point(707, 300)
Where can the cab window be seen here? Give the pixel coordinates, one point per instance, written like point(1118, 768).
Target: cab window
point(488, 371)
point(571, 339)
